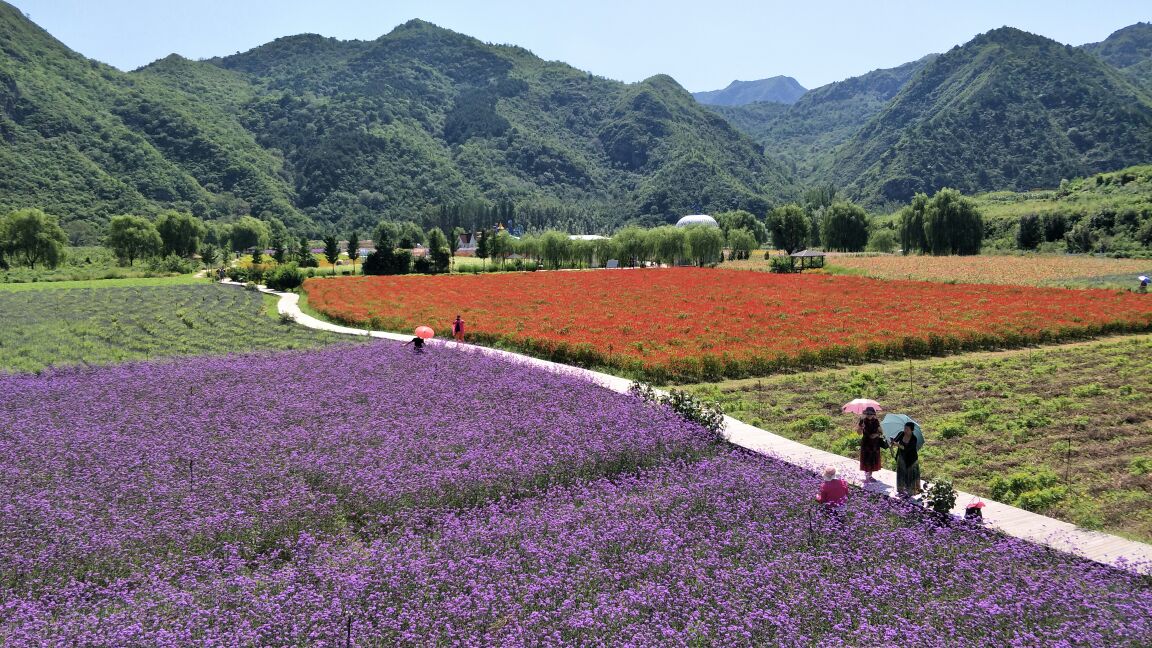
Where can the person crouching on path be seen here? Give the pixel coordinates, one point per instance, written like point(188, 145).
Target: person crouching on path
point(870, 436)
point(907, 462)
point(458, 329)
point(417, 344)
point(834, 491)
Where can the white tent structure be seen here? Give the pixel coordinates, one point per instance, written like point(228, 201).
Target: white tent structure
point(697, 219)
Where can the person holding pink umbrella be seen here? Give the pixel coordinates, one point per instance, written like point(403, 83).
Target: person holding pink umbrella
point(422, 333)
point(871, 436)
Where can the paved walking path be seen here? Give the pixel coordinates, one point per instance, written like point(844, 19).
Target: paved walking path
point(1100, 547)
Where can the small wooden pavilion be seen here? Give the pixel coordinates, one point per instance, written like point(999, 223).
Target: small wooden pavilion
point(808, 259)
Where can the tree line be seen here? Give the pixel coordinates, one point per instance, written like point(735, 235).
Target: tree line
point(946, 223)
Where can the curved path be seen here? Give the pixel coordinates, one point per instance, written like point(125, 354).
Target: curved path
point(1100, 547)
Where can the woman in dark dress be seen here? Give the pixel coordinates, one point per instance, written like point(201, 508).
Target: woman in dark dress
point(870, 436)
point(907, 462)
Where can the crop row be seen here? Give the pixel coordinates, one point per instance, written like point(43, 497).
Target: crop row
point(692, 324)
point(56, 327)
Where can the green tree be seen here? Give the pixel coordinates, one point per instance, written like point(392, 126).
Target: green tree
point(409, 236)
point(249, 232)
point(29, 236)
point(705, 244)
point(483, 246)
point(740, 219)
point(1081, 238)
point(632, 245)
point(332, 250)
point(304, 257)
point(883, 239)
point(501, 246)
point(741, 242)
point(952, 224)
point(181, 233)
point(131, 238)
point(845, 227)
point(208, 255)
point(529, 246)
point(279, 253)
point(668, 244)
point(354, 249)
point(555, 248)
point(910, 224)
point(439, 250)
point(1030, 232)
point(789, 227)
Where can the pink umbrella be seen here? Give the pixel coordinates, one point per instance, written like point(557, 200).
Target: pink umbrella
point(858, 405)
point(424, 332)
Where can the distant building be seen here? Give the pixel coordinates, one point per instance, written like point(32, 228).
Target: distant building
point(697, 219)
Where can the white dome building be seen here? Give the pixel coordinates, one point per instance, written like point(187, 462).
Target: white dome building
point(697, 219)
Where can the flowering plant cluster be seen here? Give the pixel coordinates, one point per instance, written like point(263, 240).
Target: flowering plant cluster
point(109, 470)
point(693, 323)
point(728, 550)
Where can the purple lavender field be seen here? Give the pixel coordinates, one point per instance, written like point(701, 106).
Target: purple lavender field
point(455, 499)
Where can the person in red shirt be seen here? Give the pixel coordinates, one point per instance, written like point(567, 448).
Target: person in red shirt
point(458, 329)
point(834, 491)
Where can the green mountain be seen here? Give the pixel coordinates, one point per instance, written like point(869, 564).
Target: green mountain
point(778, 89)
point(1009, 110)
point(316, 131)
point(1130, 50)
point(84, 141)
point(804, 133)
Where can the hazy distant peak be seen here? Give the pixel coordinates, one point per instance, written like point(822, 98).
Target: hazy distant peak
point(779, 89)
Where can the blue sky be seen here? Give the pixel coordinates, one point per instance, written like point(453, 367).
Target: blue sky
point(704, 44)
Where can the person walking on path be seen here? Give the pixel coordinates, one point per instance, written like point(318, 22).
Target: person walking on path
point(458, 329)
point(834, 491)
point(871, 439)
point(907, 462)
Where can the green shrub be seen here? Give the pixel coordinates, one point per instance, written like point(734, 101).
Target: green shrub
point(706, 413)
point(1140, 466)
point(951, 429)
point(284, 277)
point(940, 496)
point(782, 265)
point(174, 264)
point(1042, 498)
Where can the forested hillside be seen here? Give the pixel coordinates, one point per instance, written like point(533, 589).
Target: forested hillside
point(805, 133)
point(427, 124)
point(1008, 110)
point(1129, 50)
point(315, 132)
point(83, 140)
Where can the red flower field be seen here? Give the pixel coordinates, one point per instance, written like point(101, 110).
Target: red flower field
point(689, 323)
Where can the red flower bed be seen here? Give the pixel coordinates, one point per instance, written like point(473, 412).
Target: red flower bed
point(690, 323)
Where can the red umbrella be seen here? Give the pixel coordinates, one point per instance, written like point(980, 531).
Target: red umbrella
point(858, 405)
point(425, 332)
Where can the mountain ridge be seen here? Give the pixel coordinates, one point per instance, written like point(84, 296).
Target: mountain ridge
point(778, 89)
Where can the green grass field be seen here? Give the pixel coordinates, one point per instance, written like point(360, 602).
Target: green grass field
point(1064, 431)
point(105, 325)
point(81, 264)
